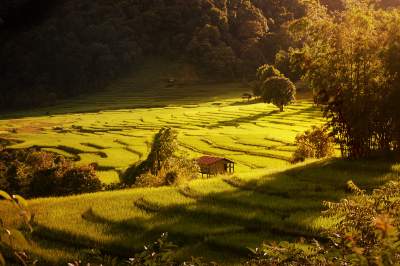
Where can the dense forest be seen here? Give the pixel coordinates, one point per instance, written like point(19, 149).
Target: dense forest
point(57, 49)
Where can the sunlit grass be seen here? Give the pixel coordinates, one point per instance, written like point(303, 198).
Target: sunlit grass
point(266, 198)
point(255, 136)
point(223, 215)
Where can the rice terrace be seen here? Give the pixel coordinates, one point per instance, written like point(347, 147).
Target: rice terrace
point(200, 132)
point(255, 136)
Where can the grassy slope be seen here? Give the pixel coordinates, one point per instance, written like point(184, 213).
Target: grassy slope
point(211, 119)
point(255, 136)
point(215, 218)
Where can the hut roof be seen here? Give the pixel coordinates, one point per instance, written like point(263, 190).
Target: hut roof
point(207, 160)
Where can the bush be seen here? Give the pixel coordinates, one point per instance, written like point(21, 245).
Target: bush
point(314, 143)
point(162, 167)
point(367, 233)
point(78, 180)
point(176, 170)
point(35, 173)
point(13, 243)
point(150, 180)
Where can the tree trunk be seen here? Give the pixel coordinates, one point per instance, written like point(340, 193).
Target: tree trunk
point(281, 108)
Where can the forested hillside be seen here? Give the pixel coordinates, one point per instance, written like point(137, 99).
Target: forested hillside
point(56, 49)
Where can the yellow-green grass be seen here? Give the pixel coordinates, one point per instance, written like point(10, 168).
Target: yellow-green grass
point(219, 218)
point(255, 136)
point(216, 218)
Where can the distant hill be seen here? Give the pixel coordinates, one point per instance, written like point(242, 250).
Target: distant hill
point(58, 49)
point(51, 49)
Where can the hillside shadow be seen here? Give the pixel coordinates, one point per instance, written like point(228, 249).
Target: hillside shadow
point(246, 102)
point(280, 206)
point(155, 96)
point(243, 119)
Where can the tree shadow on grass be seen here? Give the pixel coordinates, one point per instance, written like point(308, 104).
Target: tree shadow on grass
point(280, 206)
point(242, 119)
point(246, 102)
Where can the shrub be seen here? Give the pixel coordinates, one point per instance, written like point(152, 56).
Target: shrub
point(182, 169)
point(367, 233)
point(176, 170)
point(162, 167)
point(150, 180)
point(35, 173)
point(78, 180)
point(131, 175)
point(12, 241)
point(161, 252)
point(314, 143)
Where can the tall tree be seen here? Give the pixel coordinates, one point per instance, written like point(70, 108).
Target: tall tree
point(343, 61)
point(165, 144)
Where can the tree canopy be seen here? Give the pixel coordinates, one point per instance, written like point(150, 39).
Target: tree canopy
point(64, 48)
point(349, 60)
point(279, 91)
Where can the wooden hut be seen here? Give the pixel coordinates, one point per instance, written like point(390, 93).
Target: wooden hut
point(215, 165)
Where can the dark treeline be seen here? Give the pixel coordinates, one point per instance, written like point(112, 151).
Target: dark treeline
point(56, 49)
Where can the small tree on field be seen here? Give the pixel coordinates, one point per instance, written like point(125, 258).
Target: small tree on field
point(278, 90)
point(165, 144)
point(264, 72)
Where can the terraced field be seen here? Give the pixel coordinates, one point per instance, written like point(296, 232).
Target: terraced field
point(218, 218)
point(253, 135)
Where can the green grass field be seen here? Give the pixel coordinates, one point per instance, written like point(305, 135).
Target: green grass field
point(217, 218)
point(220, 218)
point(114, 128)
point(255, 136)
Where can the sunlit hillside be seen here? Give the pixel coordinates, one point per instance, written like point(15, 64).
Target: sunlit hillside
point(255, 136)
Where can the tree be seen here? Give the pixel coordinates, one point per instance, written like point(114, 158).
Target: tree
point(165, 144)
point(344, 58)
point(263, 73)
point(279, 91)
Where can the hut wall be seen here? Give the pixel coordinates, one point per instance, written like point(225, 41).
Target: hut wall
point(218, 167)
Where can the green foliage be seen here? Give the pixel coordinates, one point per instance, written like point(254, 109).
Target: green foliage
point(162, 166)
point(35, 173)
point(176, 170)
point(367, 233)
point(263, 73)
point(223, 39)
point(285, 253)
point(346, 60)
point(278, 90)
point(164, 145)
point(163, 252)
point(314, 143)
point(13, 243)
point(284, 61)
